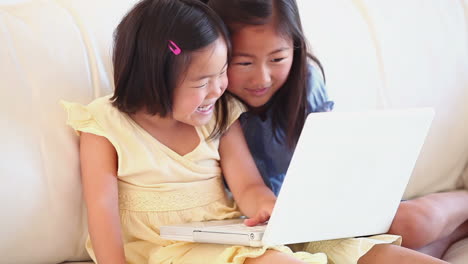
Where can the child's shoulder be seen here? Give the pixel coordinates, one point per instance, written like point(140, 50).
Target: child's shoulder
point(314, 72)
point(100, 104)
point(317, 93)
point(102, 108)
point(235, 108)
point(100, 113)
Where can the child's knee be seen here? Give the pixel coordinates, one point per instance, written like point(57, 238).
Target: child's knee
point(387, 253)
point(417, 222)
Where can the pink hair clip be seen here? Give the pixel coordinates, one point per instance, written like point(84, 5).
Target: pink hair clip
point(174, 48)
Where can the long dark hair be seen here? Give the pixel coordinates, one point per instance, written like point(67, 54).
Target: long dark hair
point(289, 104)
point(146, 71)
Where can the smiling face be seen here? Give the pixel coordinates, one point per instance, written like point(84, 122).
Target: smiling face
point(204, 82)
point(261, 62)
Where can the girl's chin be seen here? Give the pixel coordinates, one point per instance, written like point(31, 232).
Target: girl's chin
point(201, 120)
point(256, 102)
point(196, 120)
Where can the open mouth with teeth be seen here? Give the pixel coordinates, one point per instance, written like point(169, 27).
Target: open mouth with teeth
point(205, 109)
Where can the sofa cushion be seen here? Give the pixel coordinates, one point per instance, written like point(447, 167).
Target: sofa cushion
point(50, 50)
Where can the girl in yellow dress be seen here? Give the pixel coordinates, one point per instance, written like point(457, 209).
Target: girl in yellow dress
point(155, 151)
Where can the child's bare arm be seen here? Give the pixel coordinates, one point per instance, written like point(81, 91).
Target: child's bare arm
point(99, 177)
point(254, 198)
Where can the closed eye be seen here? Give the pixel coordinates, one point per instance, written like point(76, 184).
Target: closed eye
point(201, 86)
point(243, 63)
point(277, 59)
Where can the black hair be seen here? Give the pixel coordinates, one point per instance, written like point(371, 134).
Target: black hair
point(289, 104)
point(146, 71)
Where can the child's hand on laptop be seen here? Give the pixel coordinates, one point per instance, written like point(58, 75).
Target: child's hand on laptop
point(262, 215)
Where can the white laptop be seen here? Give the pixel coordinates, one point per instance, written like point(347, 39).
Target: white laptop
point(346, 179)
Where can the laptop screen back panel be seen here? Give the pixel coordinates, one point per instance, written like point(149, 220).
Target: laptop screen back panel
point(347, 175)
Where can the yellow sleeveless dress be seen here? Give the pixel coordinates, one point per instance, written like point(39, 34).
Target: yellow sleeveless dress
point(158, 187)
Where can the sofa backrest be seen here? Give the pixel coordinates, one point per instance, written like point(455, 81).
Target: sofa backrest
point(377, 54)
point(400, 54)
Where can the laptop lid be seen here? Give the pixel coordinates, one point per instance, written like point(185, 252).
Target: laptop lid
point(347, 175)
point(346, 179)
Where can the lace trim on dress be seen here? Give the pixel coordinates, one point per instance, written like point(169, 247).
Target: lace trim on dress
point(182, 197)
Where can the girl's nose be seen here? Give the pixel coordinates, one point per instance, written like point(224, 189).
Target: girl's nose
point(219, 86)
point(261, 78)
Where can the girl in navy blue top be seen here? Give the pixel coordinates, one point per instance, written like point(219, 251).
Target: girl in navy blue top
point(280, 82)
point(267, 143)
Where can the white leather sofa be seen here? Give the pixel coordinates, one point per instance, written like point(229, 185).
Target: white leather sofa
point(377, 54)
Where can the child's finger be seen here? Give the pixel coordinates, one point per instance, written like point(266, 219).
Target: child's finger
point(251, 222)
point(257, 219)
